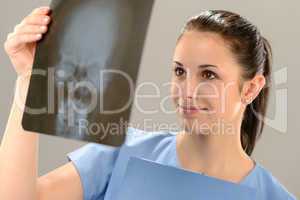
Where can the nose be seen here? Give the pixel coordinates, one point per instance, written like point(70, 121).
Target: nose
point(190, 88)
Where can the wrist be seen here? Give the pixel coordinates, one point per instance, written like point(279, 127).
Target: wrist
point(21, 89)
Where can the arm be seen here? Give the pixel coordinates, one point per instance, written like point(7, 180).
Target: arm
point(19, 165)
point(19, 148)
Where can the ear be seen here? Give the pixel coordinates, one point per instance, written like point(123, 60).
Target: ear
point(252, 88)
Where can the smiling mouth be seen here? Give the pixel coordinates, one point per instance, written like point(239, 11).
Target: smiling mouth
point(191, 108)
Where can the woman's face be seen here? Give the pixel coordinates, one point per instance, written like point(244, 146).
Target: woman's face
point(205, 83)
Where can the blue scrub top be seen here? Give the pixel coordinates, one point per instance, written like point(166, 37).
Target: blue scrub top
point(101, 167)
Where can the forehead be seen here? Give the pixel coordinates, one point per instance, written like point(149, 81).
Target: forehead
point(195, 48)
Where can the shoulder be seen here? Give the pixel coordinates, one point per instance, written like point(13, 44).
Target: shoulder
point(136, 136)
point(145, 142)
point(271, 187)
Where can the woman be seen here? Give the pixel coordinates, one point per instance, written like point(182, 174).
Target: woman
point(221, 70)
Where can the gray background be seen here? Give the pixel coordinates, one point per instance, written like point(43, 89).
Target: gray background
point(278, 151)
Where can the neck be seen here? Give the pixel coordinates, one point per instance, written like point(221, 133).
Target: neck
point(213, 154)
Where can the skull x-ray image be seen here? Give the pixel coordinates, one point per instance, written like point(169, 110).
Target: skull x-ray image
point(85, 70)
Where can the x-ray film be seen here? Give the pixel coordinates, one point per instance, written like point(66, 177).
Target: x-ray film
point(85, 70)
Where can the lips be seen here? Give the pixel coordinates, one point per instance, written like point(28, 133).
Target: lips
point(191, 108)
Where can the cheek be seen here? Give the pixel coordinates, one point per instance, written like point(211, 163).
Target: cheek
point(230, 104)
point(209, 95)
point(175, 91)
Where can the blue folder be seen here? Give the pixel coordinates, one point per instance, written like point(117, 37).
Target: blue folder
point(148, 180)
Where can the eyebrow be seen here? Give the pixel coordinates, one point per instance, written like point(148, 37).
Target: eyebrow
point(200, 66)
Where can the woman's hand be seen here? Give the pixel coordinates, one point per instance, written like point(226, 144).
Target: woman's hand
point(20, 45)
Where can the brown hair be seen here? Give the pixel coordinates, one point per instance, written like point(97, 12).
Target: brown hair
point(253, 52)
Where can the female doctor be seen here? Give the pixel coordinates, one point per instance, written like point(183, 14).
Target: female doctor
point(221, 71)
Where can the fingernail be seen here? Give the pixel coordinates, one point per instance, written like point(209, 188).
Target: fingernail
point(46, 19)
point(38, 35)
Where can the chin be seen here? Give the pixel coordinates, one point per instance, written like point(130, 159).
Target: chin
point(192, 124)
point(190, 129)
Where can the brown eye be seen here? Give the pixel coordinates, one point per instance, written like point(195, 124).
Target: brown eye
point(209, 75)
point(179, 71)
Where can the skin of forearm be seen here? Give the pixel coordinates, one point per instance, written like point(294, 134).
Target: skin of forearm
point(19, 153)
